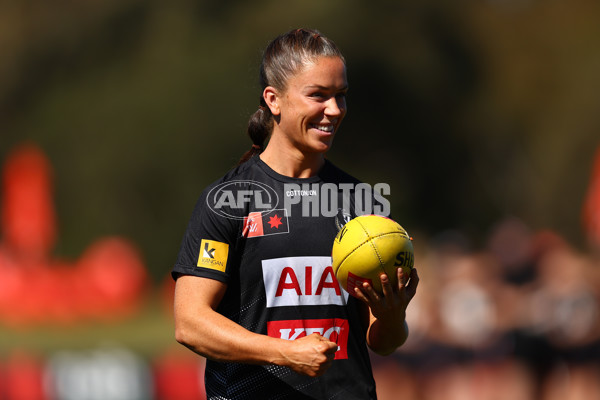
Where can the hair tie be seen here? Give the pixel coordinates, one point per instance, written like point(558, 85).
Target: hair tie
point(257, 147)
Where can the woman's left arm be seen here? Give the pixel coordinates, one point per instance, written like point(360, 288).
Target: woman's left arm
point(387, 326)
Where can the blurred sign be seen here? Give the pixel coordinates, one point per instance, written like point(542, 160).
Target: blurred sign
point(102, 374)
point(108, 281)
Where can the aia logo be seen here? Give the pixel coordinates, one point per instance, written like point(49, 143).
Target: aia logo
point(333, 329)
point(301, 281)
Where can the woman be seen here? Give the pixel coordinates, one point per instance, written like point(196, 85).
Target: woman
point(255, 292)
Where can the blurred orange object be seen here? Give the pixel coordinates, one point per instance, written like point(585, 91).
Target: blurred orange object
point(114, 274)
point(12, 286)
point(591, 205)
point(28, 217)
point(179, 376)
point(24, 375)
point(108, 282)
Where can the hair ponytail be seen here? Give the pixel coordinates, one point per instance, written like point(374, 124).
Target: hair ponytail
point(284, 56)
point(259, 129)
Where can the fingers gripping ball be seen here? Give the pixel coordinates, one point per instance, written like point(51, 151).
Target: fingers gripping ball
point(367, 246)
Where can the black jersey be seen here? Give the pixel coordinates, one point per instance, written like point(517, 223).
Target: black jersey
point(269, 238)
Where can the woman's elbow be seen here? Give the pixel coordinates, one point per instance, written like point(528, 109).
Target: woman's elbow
point(183, 335)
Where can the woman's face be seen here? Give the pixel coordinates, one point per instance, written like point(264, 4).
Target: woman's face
point(313, 105)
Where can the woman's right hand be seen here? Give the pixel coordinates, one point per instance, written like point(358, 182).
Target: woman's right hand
point(200, 328)
point(311, 355)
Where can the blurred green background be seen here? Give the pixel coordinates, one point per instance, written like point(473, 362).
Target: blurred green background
point(470, 110)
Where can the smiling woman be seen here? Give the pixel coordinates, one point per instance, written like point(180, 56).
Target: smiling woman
point(298, 64)
point(307, 114)
point(256, 293)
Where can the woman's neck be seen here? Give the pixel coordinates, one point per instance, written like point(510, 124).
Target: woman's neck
point(291, 161)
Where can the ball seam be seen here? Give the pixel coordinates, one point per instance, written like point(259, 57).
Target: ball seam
point(368, 241)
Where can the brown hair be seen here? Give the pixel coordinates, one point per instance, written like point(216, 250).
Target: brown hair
point(286, 55)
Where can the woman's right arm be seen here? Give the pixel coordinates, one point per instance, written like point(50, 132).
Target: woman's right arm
point(202, 329)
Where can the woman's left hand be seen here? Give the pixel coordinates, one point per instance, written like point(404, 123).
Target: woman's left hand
point(391, 304)
point(387, 328)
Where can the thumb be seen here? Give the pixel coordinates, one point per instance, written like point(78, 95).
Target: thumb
point(331, 346)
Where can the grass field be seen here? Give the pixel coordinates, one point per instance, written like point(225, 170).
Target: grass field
point(148, 333)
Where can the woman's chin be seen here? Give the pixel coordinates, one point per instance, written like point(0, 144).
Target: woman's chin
point(323, 145)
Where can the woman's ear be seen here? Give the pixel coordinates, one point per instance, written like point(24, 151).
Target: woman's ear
point(271, 97)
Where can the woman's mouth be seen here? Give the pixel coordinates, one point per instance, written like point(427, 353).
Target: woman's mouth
point(327, 128)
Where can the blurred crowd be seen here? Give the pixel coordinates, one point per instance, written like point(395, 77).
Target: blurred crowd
point(516, 320)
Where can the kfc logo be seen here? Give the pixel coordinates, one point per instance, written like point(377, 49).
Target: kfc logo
point(333, 329)
point(301, 281)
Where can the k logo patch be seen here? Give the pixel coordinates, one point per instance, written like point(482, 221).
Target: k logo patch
point(213, 255)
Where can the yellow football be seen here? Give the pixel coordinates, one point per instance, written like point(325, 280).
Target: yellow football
point(367, 246)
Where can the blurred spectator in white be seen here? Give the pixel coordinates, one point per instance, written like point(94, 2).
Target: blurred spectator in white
point(467, 306)
point(564, 305)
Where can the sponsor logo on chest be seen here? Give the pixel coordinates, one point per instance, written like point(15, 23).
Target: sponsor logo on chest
point(333, 329)
point(305, 281)
point(301, 281)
